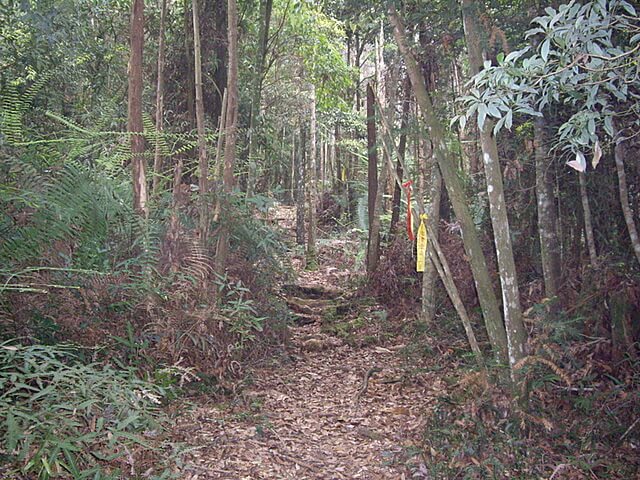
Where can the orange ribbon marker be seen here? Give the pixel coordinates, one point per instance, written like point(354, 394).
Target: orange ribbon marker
point(407, 186)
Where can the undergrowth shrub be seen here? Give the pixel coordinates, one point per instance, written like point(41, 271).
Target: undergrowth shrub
point(62, 417)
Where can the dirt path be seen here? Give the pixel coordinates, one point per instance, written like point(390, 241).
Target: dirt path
point(310, 417)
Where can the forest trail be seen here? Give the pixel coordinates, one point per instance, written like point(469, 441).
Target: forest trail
point(325, 411)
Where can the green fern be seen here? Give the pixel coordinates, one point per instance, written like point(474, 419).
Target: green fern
point(13, 106)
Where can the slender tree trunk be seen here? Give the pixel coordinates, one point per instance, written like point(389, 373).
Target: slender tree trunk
point(372, 156)
point(586, 212)
point(135, 126)
point(619, 154)
point(231, 130)
point(312, 257)
point(513, 321)
point(266, 7)
point(219, 163)
point(467, 135)
point(157, 159)
point(188, 52)
point(290, 192)
point(173, 233)
point(402, 149)
point(428, 304)
point(203, 161)
point(300, 163)
point(547, 218)
point(447, 163)
point(372, 179)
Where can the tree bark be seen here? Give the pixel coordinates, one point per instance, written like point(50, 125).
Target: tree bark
point(203, 162)
point(231, 131)
point(372, 156)
point(586, 212)
point(299, 174)
point(135, 126)
point(512, 310)
point(402, 149)
point(157, 159)
point(446, 162)
point(547, 217)
point(255, 115)
point(188, 33)
point(428, 303)
point(619, 154)
point(312, 184)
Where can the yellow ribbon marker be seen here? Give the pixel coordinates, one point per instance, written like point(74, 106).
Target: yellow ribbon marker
point(344, 174)
point(422, 244)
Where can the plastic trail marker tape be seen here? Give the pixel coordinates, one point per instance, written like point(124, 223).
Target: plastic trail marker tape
point(422, 244)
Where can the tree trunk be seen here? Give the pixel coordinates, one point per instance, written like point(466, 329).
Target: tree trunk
point(402, 149)
point(135, 126)
point(428, 302)
point(513, 322)
point(231, 131)
point(619, 154)
point(173, 233)
point(447, 163)
point(312, 184)
point(547, 218)
point(203, 162)
point(299, 172)
point(255, 115)
point(188, 50)
point(586, 212)
point(157, 159)
point(372, 157)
